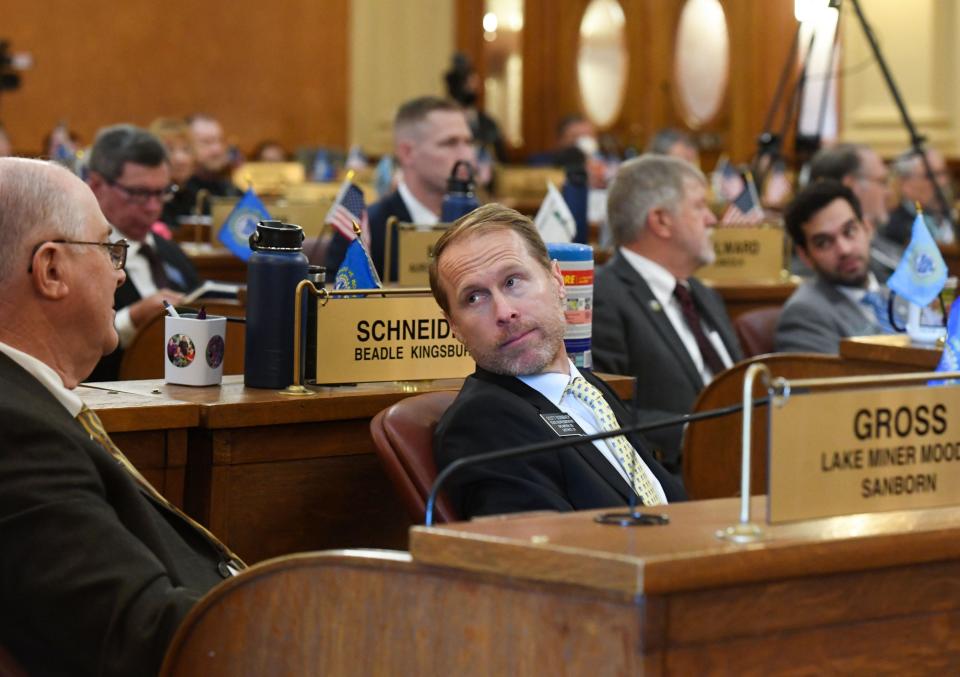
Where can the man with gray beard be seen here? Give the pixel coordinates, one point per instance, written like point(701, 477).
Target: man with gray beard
point(652, 318)
point(503, 297)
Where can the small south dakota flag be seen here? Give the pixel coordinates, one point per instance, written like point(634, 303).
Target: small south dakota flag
point(922, 272)
point(241, 223)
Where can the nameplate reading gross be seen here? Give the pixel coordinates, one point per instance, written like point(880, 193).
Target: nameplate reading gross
point(398, 338)
point(840, 453)
point(746, 254)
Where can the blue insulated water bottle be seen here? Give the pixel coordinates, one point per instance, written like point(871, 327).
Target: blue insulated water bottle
point(275, 268)
point(574, 193)
point(460, 198)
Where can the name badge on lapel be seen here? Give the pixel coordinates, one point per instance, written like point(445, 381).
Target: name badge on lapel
point(563, 425)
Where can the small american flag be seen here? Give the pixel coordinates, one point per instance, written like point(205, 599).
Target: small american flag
point(745, 209)
point(347, 208)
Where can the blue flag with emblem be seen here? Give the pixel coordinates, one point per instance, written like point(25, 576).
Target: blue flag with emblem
point(950, 360)
point(241, 223)
point(357, 271)
point(922, 272)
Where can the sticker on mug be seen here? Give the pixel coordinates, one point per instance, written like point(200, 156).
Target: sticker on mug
point(215, 351)
point(180, 350)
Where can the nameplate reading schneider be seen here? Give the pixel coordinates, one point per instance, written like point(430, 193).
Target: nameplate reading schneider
point(841, 453)
point(397, 338)
point(746, 254)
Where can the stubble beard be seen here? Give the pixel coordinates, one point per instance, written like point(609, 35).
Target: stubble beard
point(533, 360)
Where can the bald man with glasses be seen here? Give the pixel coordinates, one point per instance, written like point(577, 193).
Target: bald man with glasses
point(98, 567)
point(130, 177)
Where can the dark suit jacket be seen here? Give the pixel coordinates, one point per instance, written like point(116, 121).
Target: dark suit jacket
point(96, 575)
point(494, 412)
point(633, 336)
point(183, 277)
point(377, 216)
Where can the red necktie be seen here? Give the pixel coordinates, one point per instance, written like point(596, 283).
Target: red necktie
point(692, 317)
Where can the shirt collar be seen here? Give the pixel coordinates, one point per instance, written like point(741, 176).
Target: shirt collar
point(551, 384)
point(856, 294)
point(419, 213)
point(660, 280)
point(47, 376)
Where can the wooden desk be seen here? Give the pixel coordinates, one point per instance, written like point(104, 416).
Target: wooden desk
point(273, 474)
point(895, 349)
point(151, 432)
point(740, 298)
point(554, 594)
point(861, 594)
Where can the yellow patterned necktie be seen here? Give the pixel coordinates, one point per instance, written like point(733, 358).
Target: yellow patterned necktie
point(624, 452)
point(94, 427)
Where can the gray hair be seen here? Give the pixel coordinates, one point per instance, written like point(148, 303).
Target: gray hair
point(661, 142)
point(643, 184)
point(906, 164)
point(34, 203)
point(117, 145)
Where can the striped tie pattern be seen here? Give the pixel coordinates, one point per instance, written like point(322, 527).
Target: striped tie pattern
point(94, 427)
point(624, 452)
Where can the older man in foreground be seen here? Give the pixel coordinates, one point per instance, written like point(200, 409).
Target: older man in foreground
point(98, 568)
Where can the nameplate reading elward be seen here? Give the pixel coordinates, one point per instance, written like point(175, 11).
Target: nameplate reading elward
point(396, 338)
point(840, 453)
point(746, 255)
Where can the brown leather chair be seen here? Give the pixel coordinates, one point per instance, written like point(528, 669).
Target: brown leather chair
point(403, 437)
point(756, 329)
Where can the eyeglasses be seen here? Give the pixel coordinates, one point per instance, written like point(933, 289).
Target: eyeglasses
point(883, 181)
point(117, 251)
point(140, 196)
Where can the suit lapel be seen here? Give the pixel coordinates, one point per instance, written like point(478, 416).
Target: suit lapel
point(848, 314)
point(654, 314)
point(716, 317)
point(586, 449)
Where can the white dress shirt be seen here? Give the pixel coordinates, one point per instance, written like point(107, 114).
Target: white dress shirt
point(662, 284)
point(419, 213)
point(47, 376)
point(552, 386)
point(138, 272)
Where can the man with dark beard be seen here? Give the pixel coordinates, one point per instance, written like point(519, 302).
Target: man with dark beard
point(503, 297)
point(844, 298)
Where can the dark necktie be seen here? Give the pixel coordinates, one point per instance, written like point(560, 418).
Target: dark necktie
point(157, 272)
point(692, 317)
point(94, 427)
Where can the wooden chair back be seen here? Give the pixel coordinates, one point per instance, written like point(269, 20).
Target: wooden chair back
point(712, 448)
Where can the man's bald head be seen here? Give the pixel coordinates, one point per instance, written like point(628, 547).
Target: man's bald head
point(37, 201)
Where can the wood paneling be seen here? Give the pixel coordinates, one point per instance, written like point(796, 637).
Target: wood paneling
point(266, 70)
point(760, 35)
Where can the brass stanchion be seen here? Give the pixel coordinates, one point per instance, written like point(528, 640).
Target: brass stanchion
point(297, 388)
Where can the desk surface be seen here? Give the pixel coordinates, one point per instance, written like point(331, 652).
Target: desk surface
point(686, 554)
point(894, 349)
point(232, 405)
point(127, 412)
